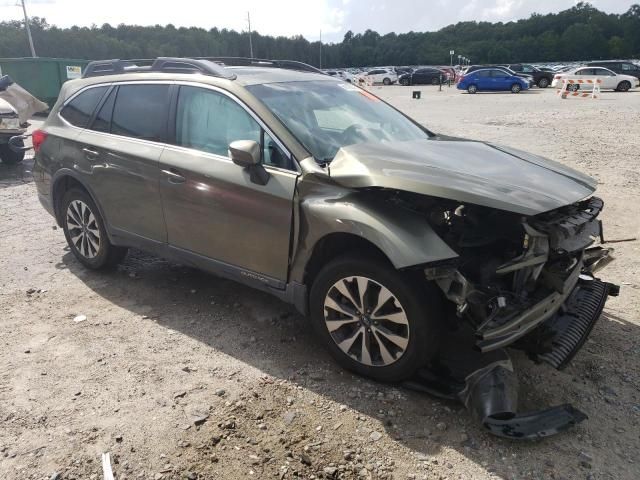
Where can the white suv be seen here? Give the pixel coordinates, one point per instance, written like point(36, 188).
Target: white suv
point(379, 75)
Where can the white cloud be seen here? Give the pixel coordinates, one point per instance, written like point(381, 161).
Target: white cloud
point(292, 17)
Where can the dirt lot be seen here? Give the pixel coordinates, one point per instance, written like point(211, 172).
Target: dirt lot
point(179, 374)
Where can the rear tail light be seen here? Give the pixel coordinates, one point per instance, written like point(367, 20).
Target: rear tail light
point(37, 138)
point(557, 77)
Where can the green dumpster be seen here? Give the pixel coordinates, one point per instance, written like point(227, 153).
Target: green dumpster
point(42, 77)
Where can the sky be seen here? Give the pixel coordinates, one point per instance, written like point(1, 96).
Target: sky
point(293, 17)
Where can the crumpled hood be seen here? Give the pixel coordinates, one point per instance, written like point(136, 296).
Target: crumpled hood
point(6, 108)
point(464, 171)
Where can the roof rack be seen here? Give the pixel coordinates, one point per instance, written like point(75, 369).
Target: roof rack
point(160, 64)
point(262, 62)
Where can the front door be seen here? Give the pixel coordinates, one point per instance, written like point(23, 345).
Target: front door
point(211, 206)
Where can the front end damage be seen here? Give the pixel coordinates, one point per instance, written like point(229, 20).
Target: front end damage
point(526, 282)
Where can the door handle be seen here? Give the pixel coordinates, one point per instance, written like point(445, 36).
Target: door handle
point(90, 154)
point(174, 176)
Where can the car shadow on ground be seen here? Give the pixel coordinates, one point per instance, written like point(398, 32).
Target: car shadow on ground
point(224, 316)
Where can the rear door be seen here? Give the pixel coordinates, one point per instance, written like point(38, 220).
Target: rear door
point(211, 206)
point(609, 79)
point(121, 149)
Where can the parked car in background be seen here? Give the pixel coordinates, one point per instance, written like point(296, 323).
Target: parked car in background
point(541, 78)
point(423, 76)
point(618, 66)
point(16, 107)
point(610, 80)
point(525, 76)
point(342, 74)
point(492, 79)
point(379, 75)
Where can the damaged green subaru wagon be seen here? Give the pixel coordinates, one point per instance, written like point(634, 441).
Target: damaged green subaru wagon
point(392, 239)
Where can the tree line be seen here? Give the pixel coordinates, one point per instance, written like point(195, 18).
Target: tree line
point(579, 33)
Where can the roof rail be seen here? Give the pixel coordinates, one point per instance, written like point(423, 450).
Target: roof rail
point(160, 64)
point(262, 62)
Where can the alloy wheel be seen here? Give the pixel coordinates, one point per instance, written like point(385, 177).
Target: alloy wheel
point(366, 321)
point(83, 229)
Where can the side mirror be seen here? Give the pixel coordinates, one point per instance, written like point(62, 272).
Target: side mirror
point(246, 154)
point(16, 143)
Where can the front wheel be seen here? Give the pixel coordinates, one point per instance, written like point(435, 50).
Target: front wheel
point(405, 82)
point(85, 232)
point(435, 81)
point(515, 88)
point(10, 157)
point(387, 81)
point(472, 89)
point(624, 86)
point(373, 319)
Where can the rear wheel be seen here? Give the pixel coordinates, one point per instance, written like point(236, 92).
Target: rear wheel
point(472, 89)
point(624, 86)
point(373, 319)
point(85, 232)
point(543, 82)
point(435, 81)
point(515, 88)
point(387, 81)
point(405, 82)
point(10, 157)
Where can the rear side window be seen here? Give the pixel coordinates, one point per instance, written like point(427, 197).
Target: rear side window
point(79, 110)
point(140, 111)
point(102, 122)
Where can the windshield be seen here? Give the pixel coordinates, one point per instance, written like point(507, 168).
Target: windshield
point(326, 116)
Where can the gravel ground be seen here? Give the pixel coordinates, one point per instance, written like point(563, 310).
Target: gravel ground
point(179, 374)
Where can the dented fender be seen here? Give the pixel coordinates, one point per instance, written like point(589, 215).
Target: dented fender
point(405, 237)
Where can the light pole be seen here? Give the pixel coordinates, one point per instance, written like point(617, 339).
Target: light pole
point(459, 60)
point(451, 53)
point(320, 49)
point(250, 44)
point(26, 24)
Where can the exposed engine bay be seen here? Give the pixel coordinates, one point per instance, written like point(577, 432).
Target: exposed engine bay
point(521, 282)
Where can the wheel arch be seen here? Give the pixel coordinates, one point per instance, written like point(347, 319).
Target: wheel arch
point(63, 181)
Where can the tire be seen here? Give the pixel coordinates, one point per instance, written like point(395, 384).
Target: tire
point(418, 315)
point(573, 87)
point(10, 157)
point(543, 82)
point(472, 89)
point(516, 88)
point(435, 81)
point(405, 82)
point(85, 232)
point(624, 86)
point(386, 81)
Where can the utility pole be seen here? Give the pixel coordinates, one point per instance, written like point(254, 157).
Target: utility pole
point(26, 24)
point(250, 44)
point(321, 49)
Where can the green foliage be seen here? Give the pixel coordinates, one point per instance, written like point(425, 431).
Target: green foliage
point(579, 33)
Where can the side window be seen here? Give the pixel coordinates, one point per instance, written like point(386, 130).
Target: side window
point(499, 73)
point(210, 121)
point(525, 69)
point(141, 111)
point(102, 122)
point(485, 73)
point(585, 71)
point(79, 110)
point(603, 72)
point(628, 67)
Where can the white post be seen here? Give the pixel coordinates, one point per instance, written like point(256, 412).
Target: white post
point(250, 44)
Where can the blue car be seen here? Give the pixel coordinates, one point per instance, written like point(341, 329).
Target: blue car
point(492, 79)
